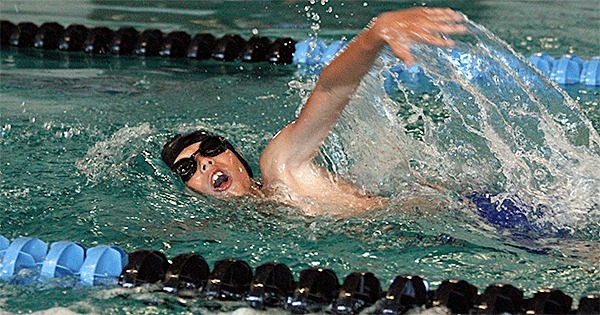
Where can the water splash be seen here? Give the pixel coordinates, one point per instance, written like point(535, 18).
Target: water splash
point(106, 159)
point(481, 120)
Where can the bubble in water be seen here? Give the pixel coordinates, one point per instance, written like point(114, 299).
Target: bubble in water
point(315, 17)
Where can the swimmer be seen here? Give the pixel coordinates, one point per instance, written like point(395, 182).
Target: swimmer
point(210, 165)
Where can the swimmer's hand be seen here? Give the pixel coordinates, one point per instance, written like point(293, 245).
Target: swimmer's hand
point(401, 29)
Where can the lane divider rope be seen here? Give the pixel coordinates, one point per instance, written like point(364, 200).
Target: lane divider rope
point(568, 69)
point(26, 260)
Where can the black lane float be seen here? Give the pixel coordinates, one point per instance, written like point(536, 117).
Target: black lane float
point(150, 42)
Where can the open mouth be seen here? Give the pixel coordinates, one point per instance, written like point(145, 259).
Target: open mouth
point(220, 180)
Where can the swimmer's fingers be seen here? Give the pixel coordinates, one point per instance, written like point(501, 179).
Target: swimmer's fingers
point(400, 43)
point(435, 28)
point(414, 24)
point(421, 14)
point(443, 14)
point(401, 29)
point(447, 28)
point(403, 52)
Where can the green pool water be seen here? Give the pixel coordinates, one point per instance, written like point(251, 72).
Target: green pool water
point(81, 136)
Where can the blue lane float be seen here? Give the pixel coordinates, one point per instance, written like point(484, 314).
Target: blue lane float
point(102, 265)
point(24, 253)
point(542, 61)
point(567, 69)
point(313, 53)
point(4, 242)
point(270, 285)
point(26, 260)
point(64, 259)
point(590, 75)
point(309, 51)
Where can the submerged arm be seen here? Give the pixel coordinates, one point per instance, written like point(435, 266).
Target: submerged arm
point(298, 143)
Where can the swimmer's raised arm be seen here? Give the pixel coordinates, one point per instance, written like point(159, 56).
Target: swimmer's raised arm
point(298, 143)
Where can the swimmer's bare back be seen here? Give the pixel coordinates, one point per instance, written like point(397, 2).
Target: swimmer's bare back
point(289, 172)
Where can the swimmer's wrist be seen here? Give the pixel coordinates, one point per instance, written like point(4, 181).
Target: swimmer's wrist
point(372, 35)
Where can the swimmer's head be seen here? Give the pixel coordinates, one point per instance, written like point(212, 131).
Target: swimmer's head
point(208, 164)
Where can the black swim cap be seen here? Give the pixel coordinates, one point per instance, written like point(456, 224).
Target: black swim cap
point(173, 148)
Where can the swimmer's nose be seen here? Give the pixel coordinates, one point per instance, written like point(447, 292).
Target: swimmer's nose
point(205, 164)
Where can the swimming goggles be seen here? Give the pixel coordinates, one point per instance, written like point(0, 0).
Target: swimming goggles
point(211, 146)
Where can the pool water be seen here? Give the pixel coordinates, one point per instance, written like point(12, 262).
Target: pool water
point(81, 138)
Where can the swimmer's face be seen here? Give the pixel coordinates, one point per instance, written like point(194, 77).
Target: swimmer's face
point(220, 176)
